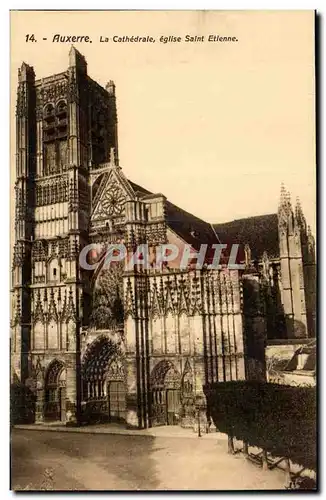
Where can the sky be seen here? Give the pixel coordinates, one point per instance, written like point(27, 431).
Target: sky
point(214, 126)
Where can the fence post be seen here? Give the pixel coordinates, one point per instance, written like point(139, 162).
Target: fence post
point(200, 404)
point(287, 471)
point(245, 449)
point(264, 457)
point(230, 444)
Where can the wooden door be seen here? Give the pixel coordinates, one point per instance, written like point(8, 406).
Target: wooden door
point(52, 405)
point(172, 406)
point(117, 401)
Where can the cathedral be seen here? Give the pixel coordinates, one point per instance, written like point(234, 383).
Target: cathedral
point(134, 345)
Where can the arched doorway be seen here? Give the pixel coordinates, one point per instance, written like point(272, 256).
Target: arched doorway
point(104, 386)
point(165, 392)
point(55, 392)
point(116, 391)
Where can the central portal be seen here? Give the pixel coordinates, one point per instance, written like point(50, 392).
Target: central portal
point(104, 385)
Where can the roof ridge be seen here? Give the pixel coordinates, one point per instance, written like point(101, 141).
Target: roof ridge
point(245, 218)
point(188, 213)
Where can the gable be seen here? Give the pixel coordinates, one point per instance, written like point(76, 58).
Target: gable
point(109, 194)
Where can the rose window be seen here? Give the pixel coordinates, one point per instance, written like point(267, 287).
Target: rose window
point(113, 201)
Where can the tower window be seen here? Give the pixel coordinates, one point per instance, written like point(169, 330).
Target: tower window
point(54, 271)
point(49, 110)
point(61, 107)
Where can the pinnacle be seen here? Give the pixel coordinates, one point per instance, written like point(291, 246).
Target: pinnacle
point(112, 157)
point(283, 193)
point(298, 204)
point(285, 199)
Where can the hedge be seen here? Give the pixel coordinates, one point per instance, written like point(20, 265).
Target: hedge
point(277, 418)
point(22, 404)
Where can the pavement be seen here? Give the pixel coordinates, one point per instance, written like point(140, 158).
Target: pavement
point(45, 458)
point(166, 431)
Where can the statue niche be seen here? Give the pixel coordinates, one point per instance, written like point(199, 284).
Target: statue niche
point(107, 299)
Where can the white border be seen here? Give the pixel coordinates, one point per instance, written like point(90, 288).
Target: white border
point(5, 183)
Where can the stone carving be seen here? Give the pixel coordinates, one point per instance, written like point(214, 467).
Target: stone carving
point(16, 310)
point(21, 107)
point(111, 201)
point(52, 312)
point(116, 370)
point(107, 310)
point(155, 304)
point(38, 315)
point(247, 251)
point(97, 359)
point(73, 90)
point(53, 92)
point(165, 375)
point(187, 382)
point(68, 310)
point(183, 299)
point(19, 253)
point(156, 234)
point(129, 303)
point(37, 371)
point(73, 196)
point(51, 191)
point(195, 295)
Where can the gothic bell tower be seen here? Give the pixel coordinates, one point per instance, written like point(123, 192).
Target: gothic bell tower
point(66, 126)
point(23, 232)
point(297, 269)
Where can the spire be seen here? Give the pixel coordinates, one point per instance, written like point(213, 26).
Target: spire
point(311, 238)
point(298, 209)
point(285, 212)
point(299, 214)
point(311, 244)
point(285, 205)
point(282, 196)
point(288, 200)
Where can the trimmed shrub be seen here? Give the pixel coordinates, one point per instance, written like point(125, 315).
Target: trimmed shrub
point(22, 404)
point(277, 418)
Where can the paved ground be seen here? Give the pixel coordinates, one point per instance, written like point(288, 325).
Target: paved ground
point(170, 431)
point(77, 461)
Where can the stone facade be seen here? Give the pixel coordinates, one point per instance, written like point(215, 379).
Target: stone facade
point(115, 343)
